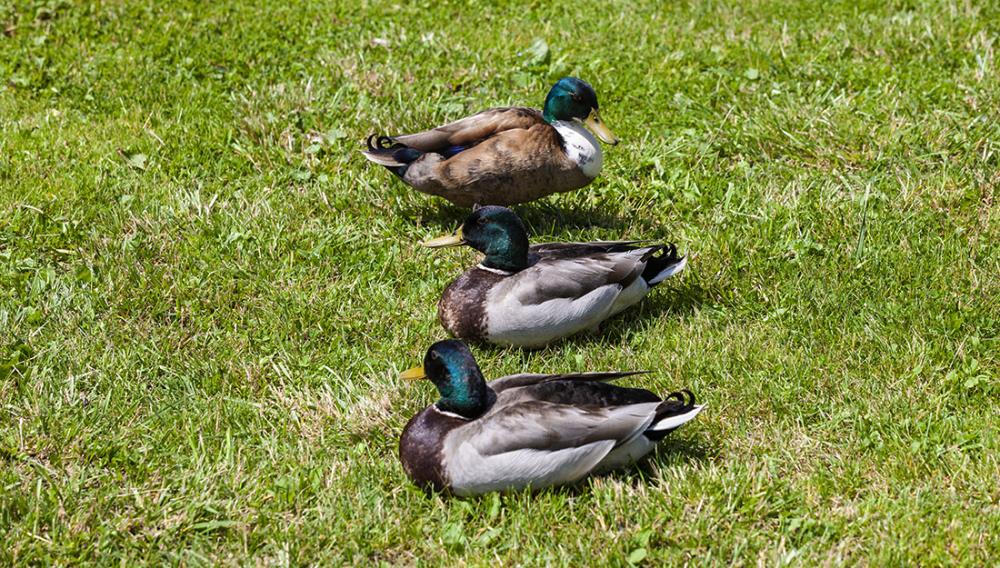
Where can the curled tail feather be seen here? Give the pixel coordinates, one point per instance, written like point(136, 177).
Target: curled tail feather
point(661, 266)
point(676, 409)
point(385, 151)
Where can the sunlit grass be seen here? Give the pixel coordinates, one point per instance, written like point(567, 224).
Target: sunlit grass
point(206, 294)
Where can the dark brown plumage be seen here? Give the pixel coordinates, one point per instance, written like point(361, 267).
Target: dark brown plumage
point(420, 447)
point(462, 307)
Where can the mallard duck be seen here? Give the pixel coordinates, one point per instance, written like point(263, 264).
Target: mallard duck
point(503, 156)
point(530, 296)
point(528, 430)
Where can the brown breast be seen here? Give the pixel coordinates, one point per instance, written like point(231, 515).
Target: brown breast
point(420, 448)
point(462, 308)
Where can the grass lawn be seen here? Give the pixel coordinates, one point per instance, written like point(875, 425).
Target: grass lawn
point(206, 293)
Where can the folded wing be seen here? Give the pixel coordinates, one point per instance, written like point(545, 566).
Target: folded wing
point(538, 444)
point(575, 271)
point(470, 131)
point(528, 379)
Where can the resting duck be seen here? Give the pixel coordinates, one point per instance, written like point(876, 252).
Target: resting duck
point(530, 296)
point(528, 430)
point(503, 156)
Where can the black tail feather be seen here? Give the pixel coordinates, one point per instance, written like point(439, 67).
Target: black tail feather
point(675, 403)
point(381, 142)
point(385, 151)
point(658, 259)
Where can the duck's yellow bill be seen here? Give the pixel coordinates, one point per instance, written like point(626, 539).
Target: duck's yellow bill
point(414, 374)
point(597, 126)
point(452, 240)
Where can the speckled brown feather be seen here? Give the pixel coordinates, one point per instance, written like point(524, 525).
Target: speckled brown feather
point(472, 130)
point(462, 307)
point(515, 157)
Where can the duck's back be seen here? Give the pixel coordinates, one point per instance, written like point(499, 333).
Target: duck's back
point(470, 131)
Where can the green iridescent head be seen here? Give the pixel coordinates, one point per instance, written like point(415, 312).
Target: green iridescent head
point(451, 367)
point(495, 231)
point(572, 99)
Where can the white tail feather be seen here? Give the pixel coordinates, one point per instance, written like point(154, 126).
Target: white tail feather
point(669, 271)
point(382, 160)
point(671, 422)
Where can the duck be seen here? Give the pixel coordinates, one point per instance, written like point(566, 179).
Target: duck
point(503, 156)
point(528, 430)
point(530, 296)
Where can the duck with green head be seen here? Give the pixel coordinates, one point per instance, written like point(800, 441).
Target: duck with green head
point(528, 430)
point(504, 156)
point(531, 295)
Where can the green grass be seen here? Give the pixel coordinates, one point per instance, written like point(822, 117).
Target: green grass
point(206, 293)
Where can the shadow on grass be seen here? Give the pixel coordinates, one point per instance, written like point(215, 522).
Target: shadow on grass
point(675, 302)
point(691, 449)
point(539, 216)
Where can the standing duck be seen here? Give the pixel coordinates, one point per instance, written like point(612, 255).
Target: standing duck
point(530, 296)
point(528, 430)
point(503, 156)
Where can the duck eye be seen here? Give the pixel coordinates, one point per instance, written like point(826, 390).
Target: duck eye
point(435, 356)
point(482, 220)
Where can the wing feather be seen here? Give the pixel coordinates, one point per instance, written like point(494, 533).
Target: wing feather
point(528, 379)
point(542, 425)
point(533, 316)
point(475, 473)
point(574, 276)
point(537, 444)
point(578, 249)
point(472, 130)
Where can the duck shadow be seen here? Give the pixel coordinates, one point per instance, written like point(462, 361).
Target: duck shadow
point(539, 216)
point(676, 302)
point(694, 449)
point(544, 217)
